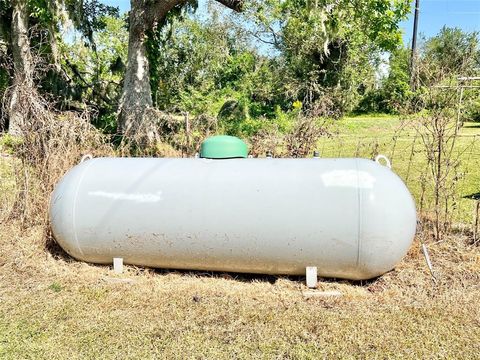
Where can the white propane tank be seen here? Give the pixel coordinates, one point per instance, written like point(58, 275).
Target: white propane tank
point(351, 218)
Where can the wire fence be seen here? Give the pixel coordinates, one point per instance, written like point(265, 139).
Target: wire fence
point(410, 161)
point(408, 156)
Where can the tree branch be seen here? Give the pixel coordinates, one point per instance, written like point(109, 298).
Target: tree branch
point(159, 8)
point(236, 5)
point(156, 10)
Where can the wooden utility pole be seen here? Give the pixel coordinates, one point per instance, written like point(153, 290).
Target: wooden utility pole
point(413, 69)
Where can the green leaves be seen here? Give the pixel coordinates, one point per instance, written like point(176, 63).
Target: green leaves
point(453, 51)
point(88, 16)
point(328, 44)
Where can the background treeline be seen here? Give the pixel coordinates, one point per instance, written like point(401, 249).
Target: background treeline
point(237, 73)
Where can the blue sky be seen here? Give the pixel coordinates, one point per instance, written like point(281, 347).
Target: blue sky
point(434, 14)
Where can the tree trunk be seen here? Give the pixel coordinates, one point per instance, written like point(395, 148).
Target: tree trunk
point(137, 93)
point(23, 67)
point(136, 104)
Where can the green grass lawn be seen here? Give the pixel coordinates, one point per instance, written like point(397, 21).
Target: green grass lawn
point(364, 136)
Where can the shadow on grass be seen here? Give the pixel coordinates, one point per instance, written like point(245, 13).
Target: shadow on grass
point(59, 254)
point(251, 278)
point(472, 126)
point(475, 196)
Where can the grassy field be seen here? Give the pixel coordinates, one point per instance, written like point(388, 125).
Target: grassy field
point(53, 307)
point(397, 139)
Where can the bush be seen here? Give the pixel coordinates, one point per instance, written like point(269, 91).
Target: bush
point(9, 144)
point(372, 102)
point(473, 111)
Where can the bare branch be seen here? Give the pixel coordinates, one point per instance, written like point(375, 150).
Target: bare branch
point(156, 10)
point(159, 8)
point(236, 5)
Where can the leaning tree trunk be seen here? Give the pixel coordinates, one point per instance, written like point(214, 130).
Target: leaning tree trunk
point(23, 68)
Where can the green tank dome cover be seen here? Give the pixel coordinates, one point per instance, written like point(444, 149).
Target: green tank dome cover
point(223, 147)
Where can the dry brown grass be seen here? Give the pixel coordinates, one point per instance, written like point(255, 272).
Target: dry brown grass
point(52, 142)
point(54, 307)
